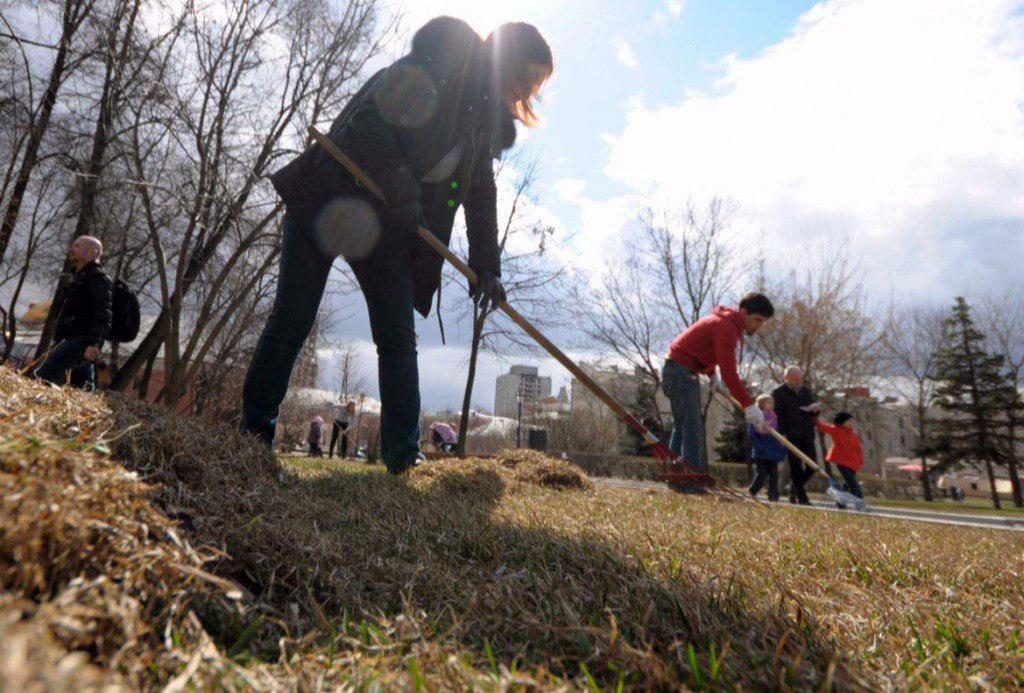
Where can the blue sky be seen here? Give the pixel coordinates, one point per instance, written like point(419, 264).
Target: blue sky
point(677, 47)
point(892, 126)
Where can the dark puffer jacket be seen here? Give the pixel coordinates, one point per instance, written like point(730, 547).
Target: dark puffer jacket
point(87, 306)
point(403, 121)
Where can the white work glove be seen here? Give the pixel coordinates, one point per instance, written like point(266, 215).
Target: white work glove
point(713, 382)
point(755, 417)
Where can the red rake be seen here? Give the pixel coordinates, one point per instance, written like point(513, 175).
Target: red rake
point(673, 470)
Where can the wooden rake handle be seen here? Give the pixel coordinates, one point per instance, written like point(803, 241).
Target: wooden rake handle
point(466, 271)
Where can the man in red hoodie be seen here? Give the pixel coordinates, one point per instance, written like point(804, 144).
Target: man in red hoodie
point(707, 343)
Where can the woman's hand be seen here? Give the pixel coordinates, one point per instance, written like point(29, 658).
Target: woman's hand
point(488, 289)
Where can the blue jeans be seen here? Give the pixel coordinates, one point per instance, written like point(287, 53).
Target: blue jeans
point(66, 363)
point(682, 387)
point(386, 281)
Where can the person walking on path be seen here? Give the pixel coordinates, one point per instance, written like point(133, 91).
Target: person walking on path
point(766, 451)
point(343, 419)
point(427, 130)
point(709, 343)
point(796, 408)
point(316, 432)
point(84, 320)
point(846, 451)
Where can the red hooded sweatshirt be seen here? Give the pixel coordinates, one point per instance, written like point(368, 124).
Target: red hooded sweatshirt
point(710, 342)
point(846, 450)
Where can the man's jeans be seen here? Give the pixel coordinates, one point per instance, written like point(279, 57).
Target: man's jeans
point(683, 390)
point(386, 281)
point(68, 356)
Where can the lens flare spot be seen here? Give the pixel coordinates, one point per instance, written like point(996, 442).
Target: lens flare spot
point(407, 96)
point(347, 226)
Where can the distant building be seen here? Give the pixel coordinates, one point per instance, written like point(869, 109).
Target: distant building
point(524, 382)
point(554, 407)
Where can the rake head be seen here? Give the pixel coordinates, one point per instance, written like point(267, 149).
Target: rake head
point(682, 477)
point(679, 474)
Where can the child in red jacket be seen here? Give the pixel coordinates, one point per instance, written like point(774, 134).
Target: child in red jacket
point(846, 451)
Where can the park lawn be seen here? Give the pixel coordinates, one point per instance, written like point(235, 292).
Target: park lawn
point(513, 572)
point(968, 506)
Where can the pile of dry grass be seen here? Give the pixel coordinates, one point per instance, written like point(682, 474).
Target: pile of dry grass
point(94, 577)
point(471, 573)
point(532, 467)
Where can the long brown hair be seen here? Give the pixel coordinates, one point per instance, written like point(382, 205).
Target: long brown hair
point(512, 48)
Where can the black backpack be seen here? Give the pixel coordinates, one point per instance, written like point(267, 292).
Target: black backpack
point(124, 327)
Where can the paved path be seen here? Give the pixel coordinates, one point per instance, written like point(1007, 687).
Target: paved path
point(935, 517)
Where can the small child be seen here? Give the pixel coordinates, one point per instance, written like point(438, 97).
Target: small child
point(846, 451)
point(766, 451)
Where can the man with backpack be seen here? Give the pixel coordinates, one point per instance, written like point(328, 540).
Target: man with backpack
point(84, 320)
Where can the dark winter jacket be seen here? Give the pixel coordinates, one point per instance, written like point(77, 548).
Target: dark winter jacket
point(794, 423)
point(404, 121)
point(763, 446)
point(87, 306)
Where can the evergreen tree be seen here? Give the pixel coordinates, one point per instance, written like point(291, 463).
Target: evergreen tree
point(977, 396)
point(731, 444)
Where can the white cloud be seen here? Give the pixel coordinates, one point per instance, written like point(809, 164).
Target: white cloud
point(569, 189)
point(897, 124)
point(624, 52)
point(670, 10)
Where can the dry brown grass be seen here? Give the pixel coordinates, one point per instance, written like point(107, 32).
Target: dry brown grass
point(466, 574)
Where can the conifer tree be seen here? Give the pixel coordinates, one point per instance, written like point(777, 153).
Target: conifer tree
point(977, 396)
point(731, 443)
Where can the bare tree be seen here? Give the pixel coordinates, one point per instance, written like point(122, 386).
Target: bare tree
point(685, 263)
point(351, 377)
point(73, 14)
point(911, 340)
point(533, 281)
point(217, 130)
point(16, 268)
point(823, 323)
point(118, 66)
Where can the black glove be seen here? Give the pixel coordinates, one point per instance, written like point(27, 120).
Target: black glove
point(488, 289)
point(403, 219)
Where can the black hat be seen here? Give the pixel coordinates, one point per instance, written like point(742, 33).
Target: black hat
point(841, 418)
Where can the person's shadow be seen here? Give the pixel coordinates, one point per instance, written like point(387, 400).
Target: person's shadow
point(460, 559)
point(515, 581)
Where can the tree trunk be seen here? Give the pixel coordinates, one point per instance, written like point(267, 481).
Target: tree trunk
point(147, 375)
point(926, 478)
point(147, 349)
point(467, 397)
point(40, 124)
point(992, 484)
point(1018, 499)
